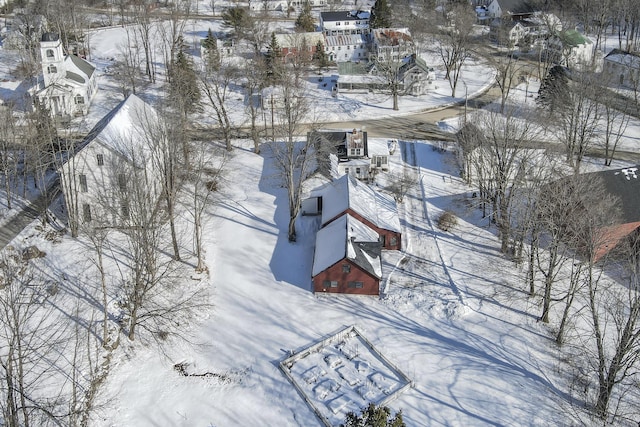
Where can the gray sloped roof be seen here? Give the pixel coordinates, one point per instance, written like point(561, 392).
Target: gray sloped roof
point(83, 65)
point(624, 184)
point(75, 77)
point(344, 15)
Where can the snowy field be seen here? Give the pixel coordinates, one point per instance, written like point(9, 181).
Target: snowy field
point(454, 316)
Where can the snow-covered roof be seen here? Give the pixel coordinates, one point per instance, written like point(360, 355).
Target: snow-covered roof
point(628, 59)
point(347, 192)
point(346, 237)
point(345, 40)
point(295, 40)
point(378, 147)
point(126, 129)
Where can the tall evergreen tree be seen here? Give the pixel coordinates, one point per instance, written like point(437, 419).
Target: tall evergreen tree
point(554, 89)
point(380, 15)
point(211, 54)
point(305, 21)
point(273, 59)
point(320, 56)
point(184, 92)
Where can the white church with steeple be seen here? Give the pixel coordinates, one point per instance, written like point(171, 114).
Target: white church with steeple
point(68, 82)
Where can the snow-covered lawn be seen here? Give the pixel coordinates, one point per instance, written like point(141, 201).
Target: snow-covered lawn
point(453, 315)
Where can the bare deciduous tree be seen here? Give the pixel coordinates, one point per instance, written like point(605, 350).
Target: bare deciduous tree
point(578, 118)
point(500, 162)
point(206, 180)
point(254, 74)
point(455, 42)
point(295, 160)
point(216, 87)
point(9, 151)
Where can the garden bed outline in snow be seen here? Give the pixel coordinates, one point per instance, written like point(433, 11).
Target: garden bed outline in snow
point(343, 373)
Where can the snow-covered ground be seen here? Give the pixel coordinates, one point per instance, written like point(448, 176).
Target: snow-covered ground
point(453, 317)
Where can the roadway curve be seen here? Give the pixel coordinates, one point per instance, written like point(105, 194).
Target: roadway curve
point(420, 125)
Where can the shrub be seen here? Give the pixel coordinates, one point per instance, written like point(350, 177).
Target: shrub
point(447, 220)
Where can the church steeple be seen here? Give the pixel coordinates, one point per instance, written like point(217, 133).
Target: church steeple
point(52, 57)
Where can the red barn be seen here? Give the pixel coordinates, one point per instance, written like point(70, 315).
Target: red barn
point(347, 195)
point(347, 258)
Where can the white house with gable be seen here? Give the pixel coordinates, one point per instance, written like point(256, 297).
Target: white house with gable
point(623, 67)
point(68, 82)
point(344, 22)
point(114, 167)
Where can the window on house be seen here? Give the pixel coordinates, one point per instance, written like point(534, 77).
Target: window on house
point(355, 285)
point(100, 159)
point(393, 241)
point(357, 171)
point(346, 171)
point(50, 53)
point(79, 99)
point(124, 210)
point(330, 284)
point(337, 24)
point(339, 47)
point(86, 212)
point(83, 183)
point(122, 182)
point(51, 69)
point(346, 268)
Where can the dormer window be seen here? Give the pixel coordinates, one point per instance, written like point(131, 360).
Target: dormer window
point(50, 53)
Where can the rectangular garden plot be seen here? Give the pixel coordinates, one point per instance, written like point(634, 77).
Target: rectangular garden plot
point(342, 373)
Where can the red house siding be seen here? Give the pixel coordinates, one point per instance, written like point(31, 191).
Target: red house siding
point(388, 235)
point(336, 273)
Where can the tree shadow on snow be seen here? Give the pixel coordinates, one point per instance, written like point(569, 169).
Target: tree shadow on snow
point(291, 261)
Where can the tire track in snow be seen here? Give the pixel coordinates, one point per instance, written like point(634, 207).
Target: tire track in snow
point(409, 150)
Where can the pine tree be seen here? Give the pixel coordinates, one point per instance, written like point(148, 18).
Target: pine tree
point(554, 89)
point(320, 56)
point(374, 416)
point(273, 59)
point(184, 91)
point(380, 15)
point(211, 53)
point(305, 21)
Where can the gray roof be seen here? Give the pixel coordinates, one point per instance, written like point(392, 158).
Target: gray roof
point(344, 15)
point(86, 67)
point(624, 184)
point(75, 77)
